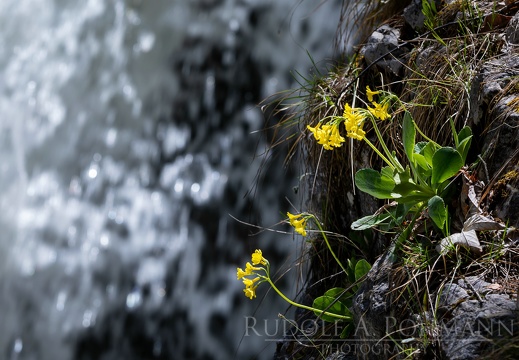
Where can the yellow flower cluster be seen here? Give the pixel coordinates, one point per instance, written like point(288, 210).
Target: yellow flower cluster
point(327, 135)
point(380, 110)
point(298, 222)
point(252, 284)
point(370, 93)
point(354, 120)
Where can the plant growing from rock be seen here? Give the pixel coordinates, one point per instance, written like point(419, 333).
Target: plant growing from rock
point(333, 305)
point(258, 271)
point(422, 185)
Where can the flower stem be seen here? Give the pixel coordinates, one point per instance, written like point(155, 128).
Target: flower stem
point(343, 317)
point(328, 243)
point(389, 163)
point(395, 162)
point(423, 135)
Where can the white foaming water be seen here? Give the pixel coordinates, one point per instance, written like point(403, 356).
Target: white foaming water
point(125, 144)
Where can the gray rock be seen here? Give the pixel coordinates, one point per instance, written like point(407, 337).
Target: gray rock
point(373, 306)
point(489, 82)
point(383, 49)
point(512, 30)
point(451, 294)
point(340, 356)
point(414, 16)
point(475, 283)
point(476, 323)
point(493, 98)
point(467, 317)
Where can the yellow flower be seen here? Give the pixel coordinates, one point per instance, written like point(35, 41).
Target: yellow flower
point(370, 93)
point(257, 258)
point(249, 269)
point(250, 289)
point(314, 130)
point(335, 139)
point(240, 273)
point(380, 110)
point(319, 133)
point(327, 135)
point(359, 134)
point(324, 137)
point(354, 121)
point(250, 292)
point(249, 282)
point(354, 131)
point(299, 226)
point(298, 222)
point(353, 116)
point(301, 230)
point(292, 216)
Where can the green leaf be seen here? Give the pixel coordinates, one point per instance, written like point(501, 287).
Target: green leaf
point(361, 268)
point(446, 163)
point(464, 133)
point(403, 183)
point(419, 146)
point(402, 190)
point(428, 152)
point(420, 159)
point(331, 305)
point(462, 139)
point(403, 177)
point(414, 198)
point(422, 166)
point(454, 133)
point(437, 211)
point(350, 270)
point(401, 212)
point(408, 135)
point(367, 222)
point(423, 155)
point(374, 183)
point(338, 293)
point(405, 188)
point(464, 146)
point(388, 172)
point(346, 297)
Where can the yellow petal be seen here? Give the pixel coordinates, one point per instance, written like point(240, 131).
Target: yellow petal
point(249, 269)
point(249, 282)
point(250, 292)
point(301, 230)
point(256, 257)
point(370, 93)
point(240, 273)
point(379, 111)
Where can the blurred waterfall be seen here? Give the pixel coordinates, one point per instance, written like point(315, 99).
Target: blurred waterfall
point(125, 145)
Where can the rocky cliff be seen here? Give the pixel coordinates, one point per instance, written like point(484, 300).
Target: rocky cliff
point(457, 62)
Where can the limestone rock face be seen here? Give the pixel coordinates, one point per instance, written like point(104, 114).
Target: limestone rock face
point(383, 49)
point(471, 319)
point(374, 308)
point(444, 310)
point(512, 30)
point(414, 16)
point(469, 314)
point(494, 99)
